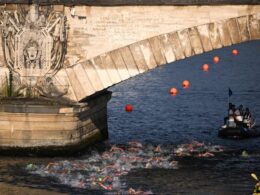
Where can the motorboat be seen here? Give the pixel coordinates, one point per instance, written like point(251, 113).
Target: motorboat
point(237, 128)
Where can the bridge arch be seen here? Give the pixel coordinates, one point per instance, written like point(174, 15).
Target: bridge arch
point(96, 74)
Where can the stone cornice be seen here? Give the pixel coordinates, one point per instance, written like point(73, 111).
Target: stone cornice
point(133, 2)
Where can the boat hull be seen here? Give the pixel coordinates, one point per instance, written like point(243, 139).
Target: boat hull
point(238, 132)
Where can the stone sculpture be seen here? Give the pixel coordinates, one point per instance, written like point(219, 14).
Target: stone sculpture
point(34, 45)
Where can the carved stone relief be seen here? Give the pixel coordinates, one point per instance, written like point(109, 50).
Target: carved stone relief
point(34, 45)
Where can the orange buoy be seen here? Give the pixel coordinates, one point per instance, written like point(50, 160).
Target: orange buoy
point(173, 91)
point(205, 67)
point(128, 108)
point(185, 84)
point(234, 52)
point(216, 59)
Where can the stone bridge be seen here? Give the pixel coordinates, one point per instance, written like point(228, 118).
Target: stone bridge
point(107, 43)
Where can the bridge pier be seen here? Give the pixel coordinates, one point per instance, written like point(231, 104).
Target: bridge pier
point(41, 126)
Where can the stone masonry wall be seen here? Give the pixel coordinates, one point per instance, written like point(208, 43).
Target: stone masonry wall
point(107, 45)
point(96, 30)
point(162, 42)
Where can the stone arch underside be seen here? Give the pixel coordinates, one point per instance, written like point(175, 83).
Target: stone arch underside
point(96, 74)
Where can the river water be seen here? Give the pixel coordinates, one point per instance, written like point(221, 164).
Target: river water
point(161, 119)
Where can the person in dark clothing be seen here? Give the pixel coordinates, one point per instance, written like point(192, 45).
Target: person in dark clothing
point(241, 110)
point(247, 118)
point(238, 115)
point(229, 112)
point(247, 114)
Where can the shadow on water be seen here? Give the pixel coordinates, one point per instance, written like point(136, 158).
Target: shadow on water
point(201, 176)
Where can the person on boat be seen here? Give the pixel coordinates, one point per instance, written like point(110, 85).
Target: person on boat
point(237, 112)
point(231, 109)
point(230, 120)
point(230, 113)
point(247, 118)
point(241, 110)
point(238, 116)
point(247, 114)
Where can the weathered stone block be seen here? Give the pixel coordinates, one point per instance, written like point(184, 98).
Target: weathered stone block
point(138, 57)
point(224, 33)
point(176, 45)
point(75, 83)
point(234, 30)
point(111, 68)
point(195, 40)
point(185, 42)
point(11, 7)
point(63, 79)
point(129, 61)
point(120, 64)
point(204, 37)
point(83, 79)
point(58, 8)
point(93, 75)
point(157, 49)
point(148, 54)
point(243, 27)
point(80, 10)
point(254, 27)
point(167, 48)
point(102, 71)
point(214, 36)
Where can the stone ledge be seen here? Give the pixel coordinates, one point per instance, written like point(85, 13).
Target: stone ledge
point(134, 2)
point(68, 150)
